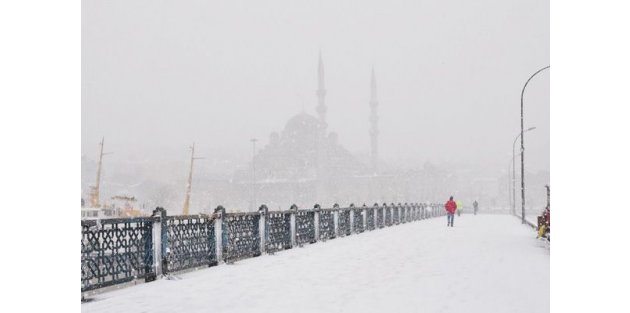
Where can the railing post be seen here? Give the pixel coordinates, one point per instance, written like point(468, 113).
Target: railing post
point(336, 219)
point(385, 211)
point(404, 212)
point(157, 246)
point(218, 231)
point(364, 214)
point(262, 228)
point(423, 211)
point(316, 209)
point(396, 209)
point(293, 210)
point(160, 263)
point(351, 218)
point(416, 208)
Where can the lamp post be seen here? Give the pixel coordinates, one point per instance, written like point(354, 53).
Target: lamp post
point(523, 147)
point(253, 140)
point(510, 201)
point(514, 172)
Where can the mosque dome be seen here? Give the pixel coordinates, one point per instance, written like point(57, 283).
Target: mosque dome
point(302, 132)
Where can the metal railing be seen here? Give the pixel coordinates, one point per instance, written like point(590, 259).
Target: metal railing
point(117, 251)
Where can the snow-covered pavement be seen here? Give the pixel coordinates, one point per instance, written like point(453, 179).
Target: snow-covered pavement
point(486, 263)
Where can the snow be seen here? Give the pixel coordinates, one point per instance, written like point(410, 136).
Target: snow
point(486, 263)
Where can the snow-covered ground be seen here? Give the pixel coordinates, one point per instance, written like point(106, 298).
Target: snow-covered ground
point(486, 263)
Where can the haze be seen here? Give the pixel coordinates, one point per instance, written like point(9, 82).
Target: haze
point(160, 75)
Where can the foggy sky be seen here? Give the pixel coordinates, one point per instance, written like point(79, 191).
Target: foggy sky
point(158, 75)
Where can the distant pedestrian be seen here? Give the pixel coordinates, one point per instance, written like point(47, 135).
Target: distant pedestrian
point(475, 206)
point(450, 207)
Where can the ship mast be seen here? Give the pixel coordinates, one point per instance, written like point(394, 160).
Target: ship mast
point(95, 195)
point(189, 185)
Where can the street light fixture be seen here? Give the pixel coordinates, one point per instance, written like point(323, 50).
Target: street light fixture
point(523, 147)
point(514, 172)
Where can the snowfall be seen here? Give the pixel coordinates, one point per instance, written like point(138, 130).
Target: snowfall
point(486, 263)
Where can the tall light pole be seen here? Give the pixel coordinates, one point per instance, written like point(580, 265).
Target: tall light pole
point(253, 140)
point(514, 172)
point(523, 147)
point(510, 201)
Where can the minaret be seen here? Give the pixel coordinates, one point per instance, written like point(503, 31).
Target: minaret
point(374, 124)
point(321, 92)
point(321, 138)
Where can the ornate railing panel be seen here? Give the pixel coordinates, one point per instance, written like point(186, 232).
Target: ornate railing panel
point(403, 214)
point(357, 222)
point(191, 242)
point(241, 236)
point(379, 218)
point(395, 215)
point(115, 251)
point(326, 224)
point(304, 227)
point(344, 222)
point(369, 218)
point(278, 231)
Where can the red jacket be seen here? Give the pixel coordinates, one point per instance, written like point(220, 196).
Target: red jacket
point(451, 206)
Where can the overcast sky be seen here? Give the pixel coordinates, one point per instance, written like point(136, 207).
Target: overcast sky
point(158, 75)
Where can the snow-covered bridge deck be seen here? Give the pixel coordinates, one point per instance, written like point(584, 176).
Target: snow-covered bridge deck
point(486, 263)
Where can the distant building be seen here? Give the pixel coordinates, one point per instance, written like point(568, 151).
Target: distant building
point(305, 164)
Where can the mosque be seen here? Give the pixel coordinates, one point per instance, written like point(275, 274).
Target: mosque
point(305, 164)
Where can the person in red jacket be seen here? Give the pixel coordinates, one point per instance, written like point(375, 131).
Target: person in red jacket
point(450, 207)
